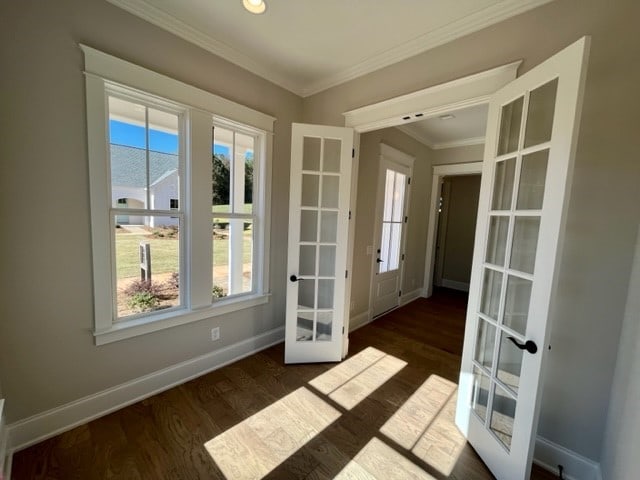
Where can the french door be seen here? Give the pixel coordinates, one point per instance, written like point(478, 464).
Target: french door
point(526, 176)
point(318, 230)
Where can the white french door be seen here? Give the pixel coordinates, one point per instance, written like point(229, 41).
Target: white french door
point(318, 231)
point(392, 200)
point(526, 176)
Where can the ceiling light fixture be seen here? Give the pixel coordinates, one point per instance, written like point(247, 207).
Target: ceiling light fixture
point(255, 6)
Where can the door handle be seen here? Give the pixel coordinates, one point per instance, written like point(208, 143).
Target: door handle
point(379, 261)
point(530, 346)
point(293, 278)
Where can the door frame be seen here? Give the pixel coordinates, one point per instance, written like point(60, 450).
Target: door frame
point(456, 94)
point(405, 160)
point(439, 172)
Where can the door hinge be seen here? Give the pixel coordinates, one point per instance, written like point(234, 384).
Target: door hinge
point(346, 273)
point(349, 214)
point(405, 219)
point(403, 256)
point(343, 329)
point(400, 293)
point(353, 153)
point(409, 181)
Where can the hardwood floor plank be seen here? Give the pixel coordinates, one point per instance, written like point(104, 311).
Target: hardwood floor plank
point(384, 413)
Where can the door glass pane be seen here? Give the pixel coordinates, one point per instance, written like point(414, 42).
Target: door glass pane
point(331, 161)
point(147, 254)
point(542, 104)
point(306, 293)
point(510, 121)
point(480, 395)
point(325, 293)
point(330, 185)
point(383, 253)
point(329, 227)
point(388, 195)
point(485, 341)
point(525, 242)
point(398, 197)
point(324, 326)
point(503, 184)
point(311, 154)
point(509, 362)
point(310, 189)
point(491, 286)
point(532, 177)
point(304, 330)
point(497, 244)
point(327, 261)
point(308, 226)
point(503, 412)
point(394, 246)
point(307, 260)
point(516, 307)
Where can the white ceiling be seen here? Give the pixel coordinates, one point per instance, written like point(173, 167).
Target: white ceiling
point(467, 127)
point(307, 46)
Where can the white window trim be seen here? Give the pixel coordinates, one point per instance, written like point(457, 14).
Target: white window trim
point(102, 70)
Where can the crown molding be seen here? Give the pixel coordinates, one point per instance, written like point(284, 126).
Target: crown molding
point(419, 136)
point(160, 18)
point(452, 31)
point(465, 142)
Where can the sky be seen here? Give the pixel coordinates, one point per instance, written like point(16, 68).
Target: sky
point(134, 136)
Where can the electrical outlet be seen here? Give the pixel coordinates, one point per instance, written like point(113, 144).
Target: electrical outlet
point(215, 334)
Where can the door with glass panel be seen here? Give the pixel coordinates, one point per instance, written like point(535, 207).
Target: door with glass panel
point(318, 230)
point(526, 177)
point(393, 197)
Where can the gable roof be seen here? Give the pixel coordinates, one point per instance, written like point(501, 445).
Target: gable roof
point(128, 166)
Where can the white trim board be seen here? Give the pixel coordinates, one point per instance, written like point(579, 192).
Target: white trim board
point(549, 455)
point(440, 171)
point(42, 426)
point(410, 297)
point(455, 285)
point(5, 460)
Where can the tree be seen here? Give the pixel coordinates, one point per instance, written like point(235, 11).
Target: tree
point(220, 179)
point(248, 180)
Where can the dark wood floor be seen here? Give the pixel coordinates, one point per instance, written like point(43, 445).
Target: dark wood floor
point(163, 437)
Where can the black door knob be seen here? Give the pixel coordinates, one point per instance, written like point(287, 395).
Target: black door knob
point(530, 346)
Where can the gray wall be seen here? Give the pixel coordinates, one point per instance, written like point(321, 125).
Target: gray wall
point(365, 212)
point(620, 460)
point(466, 154)
point(604, 207)
point(47, 355)
point(461, 227)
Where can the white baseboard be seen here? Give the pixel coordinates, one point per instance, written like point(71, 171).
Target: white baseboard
point(575, 467)
point(5, 460)
point(359, 320)
point(410, 297)
point(455, 285)
point(55, 421)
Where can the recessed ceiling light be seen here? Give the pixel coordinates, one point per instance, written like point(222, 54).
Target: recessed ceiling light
point(446, 116)
point(255, 6)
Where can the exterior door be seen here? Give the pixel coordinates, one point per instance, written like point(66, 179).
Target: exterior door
point(393, 198)
point(526, 176)
point(318, 231)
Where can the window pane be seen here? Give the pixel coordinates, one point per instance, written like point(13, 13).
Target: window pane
point(325, 293)
point(388, 195)
point(503, 184)
point(525, 243)
point(542, 104)
point(330, 189)
point(306, 293)
point(232, 256)
point(491, 287)
point(398, 197)
point(308, 226)
point(516, 307)
point(324, 326)
point(147, 254)
point(223, 152)
point(383, 252)
point(304, 331)
point(480, 395)
point(509, 363)
point(394, 246)
point(510, 121)
point(331, 161)
point(532, 177)
point(307, 263)
point(497, 242)
point(327, 261)
point(310, 190)
point(164, 182)
point(329, 227)
point(163, 132)
point(485, 341)
point(504, 410)
point(311, 154)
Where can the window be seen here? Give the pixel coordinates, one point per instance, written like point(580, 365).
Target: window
point(179, 215)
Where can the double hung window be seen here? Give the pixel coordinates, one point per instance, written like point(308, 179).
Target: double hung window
point(179, 217)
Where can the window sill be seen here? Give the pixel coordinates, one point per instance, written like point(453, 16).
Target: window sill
point(142, 326)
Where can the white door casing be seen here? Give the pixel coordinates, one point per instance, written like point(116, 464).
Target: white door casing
point(319, 202)
point(526, 179)
point(392, 201)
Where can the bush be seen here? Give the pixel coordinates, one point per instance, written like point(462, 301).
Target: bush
point(143, 286)
point(218, 292)
point(174, 280)
point(144, 295)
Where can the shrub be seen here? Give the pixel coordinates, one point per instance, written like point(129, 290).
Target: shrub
point(143, 286)
point(174, 280)
point(144, 295)
point(218, 292)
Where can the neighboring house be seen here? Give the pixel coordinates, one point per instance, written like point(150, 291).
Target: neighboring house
point(128, 174)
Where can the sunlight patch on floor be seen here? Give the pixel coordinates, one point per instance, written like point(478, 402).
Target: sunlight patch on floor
point(378, 461)
point(355, 379)
point(254, 447)
point(425, 425)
